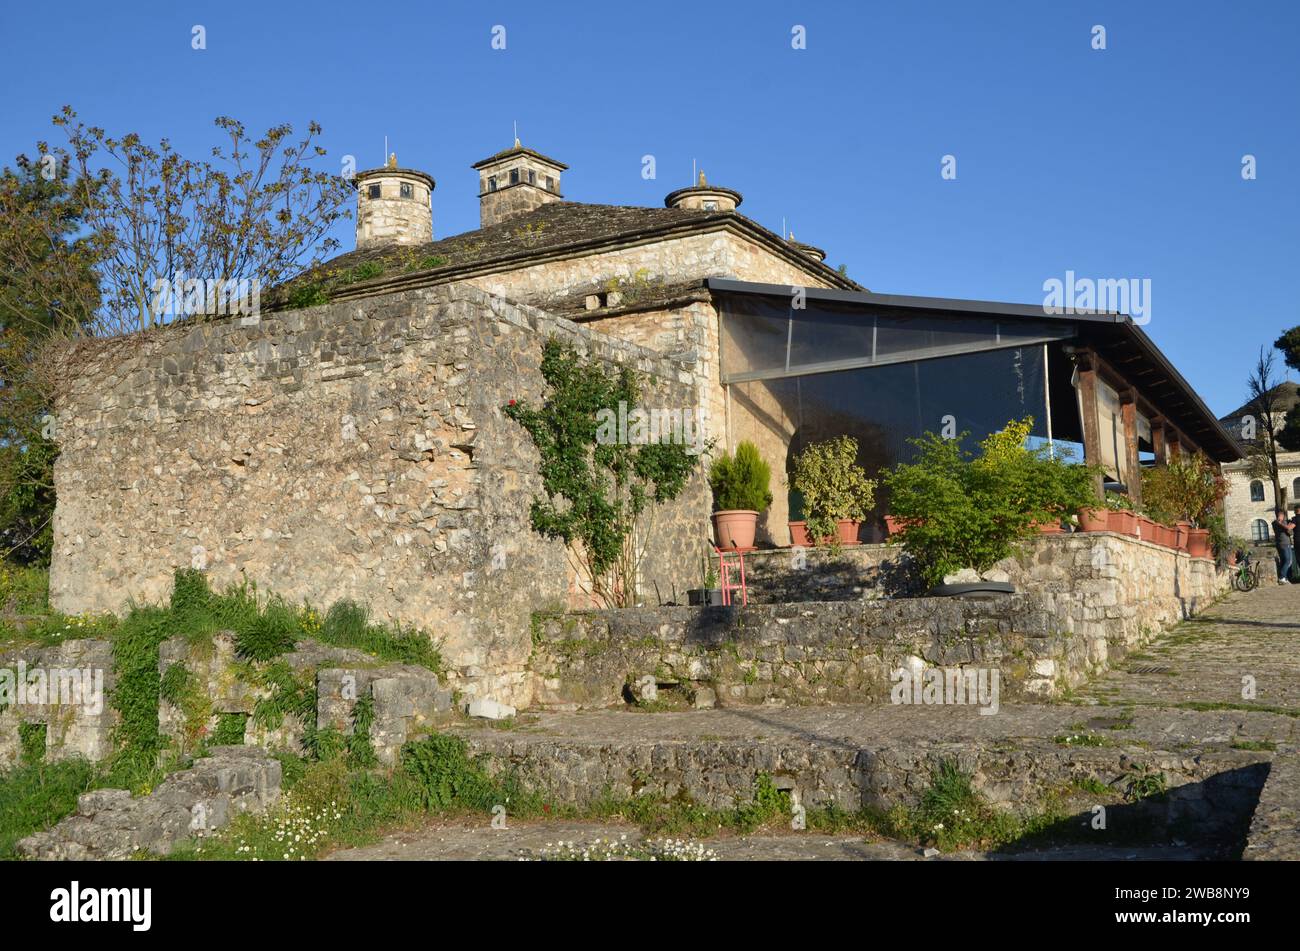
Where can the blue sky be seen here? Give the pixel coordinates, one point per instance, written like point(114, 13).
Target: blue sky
point(1113, 164)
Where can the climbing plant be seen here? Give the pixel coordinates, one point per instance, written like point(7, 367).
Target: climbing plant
point(597, 492)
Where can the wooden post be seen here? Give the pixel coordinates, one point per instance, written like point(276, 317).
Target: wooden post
point(1132, 466)
point(1158, 440)
point(1087, 366)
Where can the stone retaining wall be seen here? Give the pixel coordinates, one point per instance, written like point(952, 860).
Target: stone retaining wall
point(1142, 587)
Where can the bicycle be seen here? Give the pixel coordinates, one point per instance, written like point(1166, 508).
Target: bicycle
point(1245, 577)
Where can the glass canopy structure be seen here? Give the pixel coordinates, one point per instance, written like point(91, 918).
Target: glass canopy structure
point(802, 365)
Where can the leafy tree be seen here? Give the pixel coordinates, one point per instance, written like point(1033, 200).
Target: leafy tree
point(596, 490)
point(833, 486)
point(47, 291)
point(260, 212)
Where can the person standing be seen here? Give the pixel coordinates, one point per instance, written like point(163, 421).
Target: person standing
point(1282, 539)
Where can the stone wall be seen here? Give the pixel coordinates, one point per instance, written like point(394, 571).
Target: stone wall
point(1141, 587)
point(73, 704)
point(356, 450)
point(816, 652)
point(1085, 600)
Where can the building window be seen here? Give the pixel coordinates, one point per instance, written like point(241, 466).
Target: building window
point(550, 184)
point(514, 176)
point(1295, 490)
point(373, 191)
point(406, 190)
point(710, 206)
point(492, 183)
point(532, 177)
point(1257, 491)
point(1259, 530)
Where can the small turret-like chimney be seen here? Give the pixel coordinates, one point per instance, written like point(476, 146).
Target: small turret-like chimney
point(515, 182)
point(704, 197)
point(394, 206)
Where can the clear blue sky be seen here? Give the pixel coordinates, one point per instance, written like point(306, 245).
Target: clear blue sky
point(1117, 163)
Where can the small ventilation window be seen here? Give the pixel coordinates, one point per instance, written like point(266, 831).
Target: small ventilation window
point(492, 183)
point(710, 206)
point(406, 190)
point(514, 176)
point(373, 191)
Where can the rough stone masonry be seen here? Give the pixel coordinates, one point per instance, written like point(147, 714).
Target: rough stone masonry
point(356, 450)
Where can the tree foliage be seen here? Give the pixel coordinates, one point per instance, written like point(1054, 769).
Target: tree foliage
point(596, 491)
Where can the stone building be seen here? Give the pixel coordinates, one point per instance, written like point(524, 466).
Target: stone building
point(1249, 504)
point(358, 448)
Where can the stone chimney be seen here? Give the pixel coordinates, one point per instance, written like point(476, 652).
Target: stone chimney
point(515, 182)
point(704, 197)
point(814, 252)
point(394, 206)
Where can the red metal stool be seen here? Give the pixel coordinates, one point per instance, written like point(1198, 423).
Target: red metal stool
point(731, 562)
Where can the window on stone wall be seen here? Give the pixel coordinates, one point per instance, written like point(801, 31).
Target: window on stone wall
point(406, 190)
point(710, 206)
point(532, 177)
point(373, 191)
point(550, 184)
point(1259, 530)
point(1257, 491)
point(1295, 490)
point(492, 183)
point(514, 176)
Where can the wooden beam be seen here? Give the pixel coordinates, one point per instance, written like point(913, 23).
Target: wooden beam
point(1133, 468)
point(1085, 363)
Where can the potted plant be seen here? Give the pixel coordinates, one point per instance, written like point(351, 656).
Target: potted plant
point(1188, 488)
point(740, 485)
point(1093, 519)
point(836, 492)
point(710, 595)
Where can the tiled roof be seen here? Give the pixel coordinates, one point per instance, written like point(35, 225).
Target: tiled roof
point(549, 231)
point(1285, 396)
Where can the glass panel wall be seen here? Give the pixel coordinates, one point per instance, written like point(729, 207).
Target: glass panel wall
point(882, 407)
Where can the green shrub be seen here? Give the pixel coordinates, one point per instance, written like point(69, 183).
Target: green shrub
point(311, 294)
point(833, 486)
point(230, 730)
point(960, 510)
point(1185, 489)
point(741, 481)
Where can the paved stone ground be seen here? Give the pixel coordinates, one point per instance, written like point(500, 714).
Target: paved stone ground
point(1183, 693)
point(476, 841)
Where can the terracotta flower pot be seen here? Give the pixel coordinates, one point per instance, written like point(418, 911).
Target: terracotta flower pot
point(1049, 528)
point(799, 534)
point(848, 530)
point(1093, 520)
point(894, 524)
point(735, 528)
point(1198, 542)
point(1146, 529)
point(1180, 535)
point(1122, 521)
point(1167, 536)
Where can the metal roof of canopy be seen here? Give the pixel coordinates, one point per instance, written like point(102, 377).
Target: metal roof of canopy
point(1113, 336)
